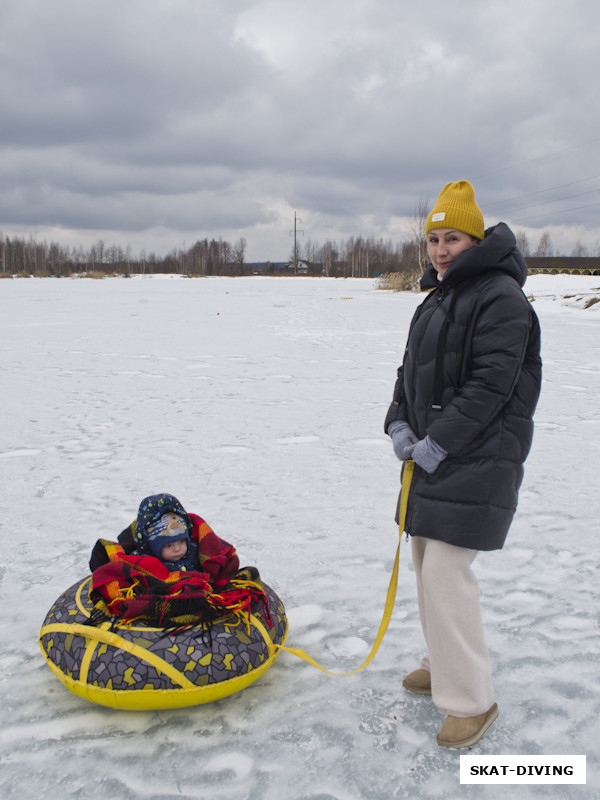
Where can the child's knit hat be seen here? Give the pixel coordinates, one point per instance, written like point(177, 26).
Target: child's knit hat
point(169, 528)
point(161, 520)
point(456, 208)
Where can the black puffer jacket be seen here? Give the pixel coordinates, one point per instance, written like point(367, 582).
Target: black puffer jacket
point(471, 380)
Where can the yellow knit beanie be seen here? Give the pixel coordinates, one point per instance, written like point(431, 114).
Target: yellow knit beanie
point(456, 208)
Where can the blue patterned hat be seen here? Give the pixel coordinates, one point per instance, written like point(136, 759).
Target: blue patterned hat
point(161, 520)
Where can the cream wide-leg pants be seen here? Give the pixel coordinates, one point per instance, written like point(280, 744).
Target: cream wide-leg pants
point(448, 597)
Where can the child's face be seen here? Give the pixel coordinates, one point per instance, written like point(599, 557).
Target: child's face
point(174, 551)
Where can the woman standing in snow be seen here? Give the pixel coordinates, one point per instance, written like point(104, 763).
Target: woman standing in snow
point(462, 410)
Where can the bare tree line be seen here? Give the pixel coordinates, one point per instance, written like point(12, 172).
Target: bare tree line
point(353, 257)
point(358, 257)
point(20, 256)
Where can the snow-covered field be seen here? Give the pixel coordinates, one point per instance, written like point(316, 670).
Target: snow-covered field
point(259, 403)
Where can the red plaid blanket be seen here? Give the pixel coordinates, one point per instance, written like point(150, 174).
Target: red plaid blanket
point(140, 587)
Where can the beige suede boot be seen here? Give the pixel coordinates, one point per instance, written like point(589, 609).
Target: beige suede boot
point(418, 682)
point(465, 731)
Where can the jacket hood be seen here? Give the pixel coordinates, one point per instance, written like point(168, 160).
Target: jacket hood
point(152, 509)
point(497, 251)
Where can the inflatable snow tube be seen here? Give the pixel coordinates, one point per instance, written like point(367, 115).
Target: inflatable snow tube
point(138, 667)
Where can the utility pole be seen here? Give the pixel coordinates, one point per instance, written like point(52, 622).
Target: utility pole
point(296, 232)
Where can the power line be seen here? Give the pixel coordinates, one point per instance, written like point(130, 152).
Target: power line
point(537, 158)
point(549, 202)
point(511, 210)
point(541, 191)
point(576, 208)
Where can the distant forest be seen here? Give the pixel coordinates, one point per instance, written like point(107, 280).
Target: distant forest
point(355, 257)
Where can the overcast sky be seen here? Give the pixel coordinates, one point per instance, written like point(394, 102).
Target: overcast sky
point(155, 123)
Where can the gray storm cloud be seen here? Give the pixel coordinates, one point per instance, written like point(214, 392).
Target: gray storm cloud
point(202, 118)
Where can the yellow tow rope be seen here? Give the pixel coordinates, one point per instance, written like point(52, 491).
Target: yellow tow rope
point(391, 592)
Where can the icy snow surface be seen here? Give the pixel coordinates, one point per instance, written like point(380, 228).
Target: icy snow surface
point(259, 403)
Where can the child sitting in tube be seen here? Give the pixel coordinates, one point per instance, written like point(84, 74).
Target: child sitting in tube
point(183, 542)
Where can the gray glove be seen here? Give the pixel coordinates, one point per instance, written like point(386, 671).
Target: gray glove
point(402, 437)
point(427, 454)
